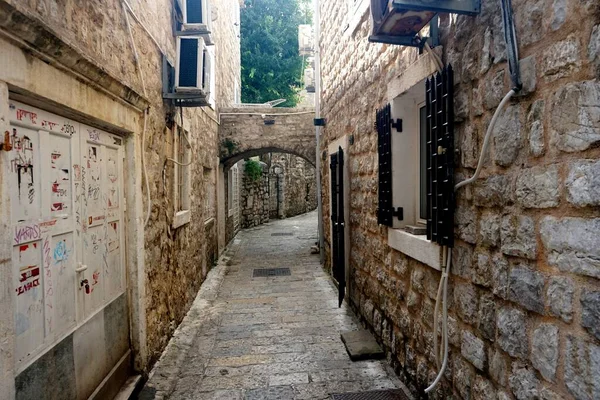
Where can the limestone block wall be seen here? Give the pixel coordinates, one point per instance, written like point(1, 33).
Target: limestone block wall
point(292, 185)
point(525, 287)
point(94, 43)
point(254, 197)
point(248, 132)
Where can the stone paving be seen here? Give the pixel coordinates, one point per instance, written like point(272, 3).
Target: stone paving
point(265, 338)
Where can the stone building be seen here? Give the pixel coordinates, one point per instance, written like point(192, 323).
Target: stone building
point(111, 196)
point(524, 289)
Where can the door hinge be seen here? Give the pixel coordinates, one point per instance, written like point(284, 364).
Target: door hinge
point(398, 212)
point(396, 124)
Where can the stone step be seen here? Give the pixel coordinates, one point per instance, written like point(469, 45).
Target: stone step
point(361, 345)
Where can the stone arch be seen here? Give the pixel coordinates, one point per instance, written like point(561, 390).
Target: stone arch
point(229, 161)
point(245, 133)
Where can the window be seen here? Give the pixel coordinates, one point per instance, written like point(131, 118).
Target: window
point(422, 193)
point(420, 212)
point(230, 192)
point(236, 196)
point(182, 177)
point(210, 193)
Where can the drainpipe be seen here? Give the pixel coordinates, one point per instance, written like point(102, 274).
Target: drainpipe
point(318, 128)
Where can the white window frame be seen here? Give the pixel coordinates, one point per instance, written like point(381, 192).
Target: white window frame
point(418, 219)
point(200, 70)
point(182, 180)
point(406, 94)
point(230, 191)
point(210, 194)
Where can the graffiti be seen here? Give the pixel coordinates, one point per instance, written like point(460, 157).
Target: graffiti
point(95, 243)
point(68, 129)
point(28, 279)
point(94, 135)
point(77, 172)
point(49, 124)
point(26, 114)
point(96, 278)
point(93, 192)
point(49, 289)
point(46, 225)
point(61, 253)
point(27, 233)
point(22, 164)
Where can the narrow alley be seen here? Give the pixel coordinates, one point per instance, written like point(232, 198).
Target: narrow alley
point(265, 337)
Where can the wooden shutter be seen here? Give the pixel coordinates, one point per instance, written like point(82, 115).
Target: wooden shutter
point(439, 95)
point(384, 151)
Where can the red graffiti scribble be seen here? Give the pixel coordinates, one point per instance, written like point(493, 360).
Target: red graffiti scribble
point(28, 286)
point(24, 113)
point(23, 247)
point(29, 272)
point(57, 207)
point(49, 124)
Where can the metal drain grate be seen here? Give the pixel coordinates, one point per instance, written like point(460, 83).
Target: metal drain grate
point(282, 234)
point(395, 394)
point(266, 272)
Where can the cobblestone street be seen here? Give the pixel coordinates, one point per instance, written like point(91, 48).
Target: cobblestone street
point(265, 338)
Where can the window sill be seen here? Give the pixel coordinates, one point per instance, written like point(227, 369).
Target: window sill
point(181, 218)
point(416, 246)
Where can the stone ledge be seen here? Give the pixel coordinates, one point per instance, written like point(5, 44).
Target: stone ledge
point(417, 247)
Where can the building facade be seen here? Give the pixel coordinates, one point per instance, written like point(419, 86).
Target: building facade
point(112, 206)
point(524, 289)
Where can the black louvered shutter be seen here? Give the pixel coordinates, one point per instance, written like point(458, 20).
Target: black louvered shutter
point(439, 97)
point(334, 211)
point(385, 209)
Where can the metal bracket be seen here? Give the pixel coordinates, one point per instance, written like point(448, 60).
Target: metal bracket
point(396, 124)
point(398, 212)
point(319, 121)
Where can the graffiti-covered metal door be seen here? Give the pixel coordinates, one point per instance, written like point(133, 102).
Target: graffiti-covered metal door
point(44, 148)
point(66, 216)
point(101, 218)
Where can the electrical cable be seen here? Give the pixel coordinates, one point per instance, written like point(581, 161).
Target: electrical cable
point(141, 74)
point(513, 64)
point(510, 37)
point(486, 141)
point(445, 274)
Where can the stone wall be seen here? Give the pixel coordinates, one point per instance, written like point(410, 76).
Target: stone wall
point(254, 197)
point(91, 42)
point(524, 290)
point(249, 132)
point(292, 185)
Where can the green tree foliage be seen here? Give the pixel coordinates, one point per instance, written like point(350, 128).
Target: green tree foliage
point(271, 66)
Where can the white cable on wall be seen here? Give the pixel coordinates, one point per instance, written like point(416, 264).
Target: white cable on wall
point(141, 74)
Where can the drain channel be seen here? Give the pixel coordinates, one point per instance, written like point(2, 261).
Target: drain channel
point(395, 394)
point(266, 272)
point(282, 234)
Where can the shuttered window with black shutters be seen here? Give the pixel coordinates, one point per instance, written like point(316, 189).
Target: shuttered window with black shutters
point(439, 102)
point(385, 209)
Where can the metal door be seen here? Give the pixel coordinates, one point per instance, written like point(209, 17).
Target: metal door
point(338, 223)
point(44, 147)
point(101, 219)
point(67, 223)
